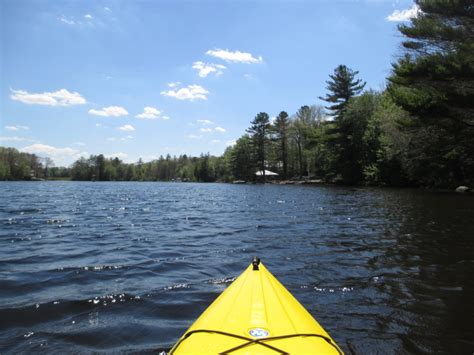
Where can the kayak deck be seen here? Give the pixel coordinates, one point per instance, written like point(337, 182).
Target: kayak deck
point(256, 314)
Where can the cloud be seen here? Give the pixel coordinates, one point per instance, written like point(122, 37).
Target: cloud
point(191, 92)
point(234, 57)
point(127, 128)
point(204, 69)
point(220, 129)
point(205, 122)
point(404, 15)
point(88, 16)
point(206, 130)
point(79, 144)
point(16, 128)
point(110, 111)
point(149, 113)
point(107, 8)
point(58, 98)
point(230, 143)
point(15, 139)
point(66, 21)
point(166, 117)
point(59, 155)
point(173, 85)
point(99, 125)
point(215, 141)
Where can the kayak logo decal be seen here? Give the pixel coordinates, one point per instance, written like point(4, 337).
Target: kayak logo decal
point(258, 332)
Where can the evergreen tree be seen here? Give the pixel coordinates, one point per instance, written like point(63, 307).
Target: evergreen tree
point(258, 131)
point(342, 86)
point(242, 159)
point(434, 82)
point(281, 129)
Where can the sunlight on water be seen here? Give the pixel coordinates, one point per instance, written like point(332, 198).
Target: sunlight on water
point(129, 266)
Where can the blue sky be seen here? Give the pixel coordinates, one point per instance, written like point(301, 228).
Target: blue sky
point(144, 78)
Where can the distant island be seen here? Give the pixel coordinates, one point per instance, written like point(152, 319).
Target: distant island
point(417, 132)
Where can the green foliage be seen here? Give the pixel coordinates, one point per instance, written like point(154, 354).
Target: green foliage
point(242, 159)
point(342, 86)
point(15, 165)
point(280, 129)
point(259, 131)
point(434, 82)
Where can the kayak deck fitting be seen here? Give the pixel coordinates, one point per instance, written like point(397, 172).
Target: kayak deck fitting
point(256, 314)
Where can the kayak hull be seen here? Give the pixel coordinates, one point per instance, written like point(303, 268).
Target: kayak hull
point(256, 314)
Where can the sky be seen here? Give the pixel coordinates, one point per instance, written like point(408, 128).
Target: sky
point(140, 79)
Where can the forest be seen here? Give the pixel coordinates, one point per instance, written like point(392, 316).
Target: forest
point(418, 131)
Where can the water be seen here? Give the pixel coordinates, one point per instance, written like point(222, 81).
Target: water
point(128, 266)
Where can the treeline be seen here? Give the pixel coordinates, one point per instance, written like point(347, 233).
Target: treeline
point(419, 131)
point(205, 168)
point(15, 165)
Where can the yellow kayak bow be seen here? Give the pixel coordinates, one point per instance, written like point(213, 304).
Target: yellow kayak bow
point(256, 314)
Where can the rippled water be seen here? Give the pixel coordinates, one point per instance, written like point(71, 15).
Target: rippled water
point(129, 266)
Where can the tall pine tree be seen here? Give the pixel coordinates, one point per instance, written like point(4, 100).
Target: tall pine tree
point(281, 129)
point(258, 132)
point(343, 86)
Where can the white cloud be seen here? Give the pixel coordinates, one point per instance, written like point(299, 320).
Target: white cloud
point(205, 122)
point(58, 98)
point(206, 130)
point(59, 155)
point(110, 111)
point(127, 128)
point(235, 57)
point(88, 16)
point(220, 129)
point(204, 69)
point(99, 125)
point(191, 92)
point(404, 15)
point(166, 117)
point(15, 139)
point(175, 84)
point(230, 143)
point(107, 8)
point(248, 76)
point(272, 119)
point(16, 128)
point(66, 21)
point(149, 113)
point(215, 141)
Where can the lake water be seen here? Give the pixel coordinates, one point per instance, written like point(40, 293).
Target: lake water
point(128, 266)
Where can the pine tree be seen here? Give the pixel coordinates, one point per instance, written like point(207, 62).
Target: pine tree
point(342, 86)
point(258, 132)
point(281, 129)
point(434, 82)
